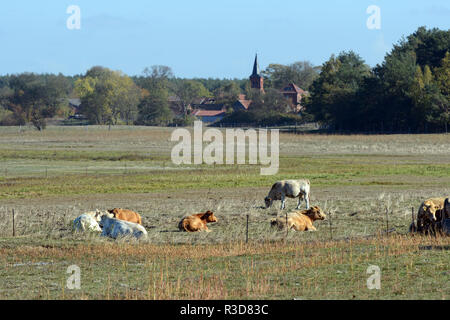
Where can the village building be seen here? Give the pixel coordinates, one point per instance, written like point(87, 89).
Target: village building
point(291, 91)
point(295, 94)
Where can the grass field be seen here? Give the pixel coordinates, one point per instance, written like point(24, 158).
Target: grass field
point(51, 177)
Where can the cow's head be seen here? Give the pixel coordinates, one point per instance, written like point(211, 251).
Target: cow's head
point(315, 213)
point(103, 217)
point(209, 216)
point(99, 214)
point(429, 208)
point(114, 212)
point(268, 201)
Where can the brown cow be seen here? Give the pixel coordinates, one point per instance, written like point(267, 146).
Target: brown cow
point(300, 220)
point(126, 215)
point(197, 222)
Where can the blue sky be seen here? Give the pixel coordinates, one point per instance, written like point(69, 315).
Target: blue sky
point(201, 38)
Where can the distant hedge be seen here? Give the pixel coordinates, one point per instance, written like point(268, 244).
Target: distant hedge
point(260, 119)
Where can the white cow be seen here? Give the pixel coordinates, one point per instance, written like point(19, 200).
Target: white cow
point(291, 189)
point(115, 228)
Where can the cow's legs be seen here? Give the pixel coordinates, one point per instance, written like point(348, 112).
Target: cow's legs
point(283, 202)
point(299, 202)
point(307, 201)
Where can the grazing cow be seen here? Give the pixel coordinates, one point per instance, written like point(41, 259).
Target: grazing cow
point(88, 221)
point(197, 222)
point(300, 220)
point(115, 228)
point(291, 189)
point(430, 212)
point(126, 215)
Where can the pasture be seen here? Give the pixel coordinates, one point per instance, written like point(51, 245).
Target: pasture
point(51, 177)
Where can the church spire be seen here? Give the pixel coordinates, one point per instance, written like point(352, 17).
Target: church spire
point(256, 67)
point(257, 82)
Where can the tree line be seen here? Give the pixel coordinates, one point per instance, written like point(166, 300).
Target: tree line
point(407, 92)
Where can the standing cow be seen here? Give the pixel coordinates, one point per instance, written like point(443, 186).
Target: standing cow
point(291, 189)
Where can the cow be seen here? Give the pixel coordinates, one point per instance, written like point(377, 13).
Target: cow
point(431, 212)
point(197, 222)
point(126, 215)
point(115, 228)
point(291, 189)
point(447, 208)
point(300, 220)
point(88, 221)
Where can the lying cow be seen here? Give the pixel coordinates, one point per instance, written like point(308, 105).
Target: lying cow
point(126, 215)
point(300, 220)
point(291, 189)
point(88, 221)
point(431, 211)
point(115, 228)
point(197, 222)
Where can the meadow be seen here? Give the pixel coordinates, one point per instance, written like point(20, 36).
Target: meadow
point(367, 185)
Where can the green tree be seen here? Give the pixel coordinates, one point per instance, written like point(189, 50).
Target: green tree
point(302, 73)
point(334, 93)
point(108, 96)
point(33, 98)
point(227, 94)
point(154, 109)
point(188, 91)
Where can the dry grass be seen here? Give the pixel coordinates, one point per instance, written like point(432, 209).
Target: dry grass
point(355, 178)
point(411, 268)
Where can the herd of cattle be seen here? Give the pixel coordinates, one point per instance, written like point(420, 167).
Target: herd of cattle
point(433, 215)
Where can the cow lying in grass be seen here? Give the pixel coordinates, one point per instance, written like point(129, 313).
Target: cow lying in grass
point(300, 220)
point(115, 228)
point(126, 215)
point(430, 215)
point(88, 221)
point(197, 222)
point(289, 188)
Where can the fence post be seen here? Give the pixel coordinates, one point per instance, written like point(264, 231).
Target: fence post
point(331, 227)
point(387, 220)
point(287, 226)
point(14, 223)
point(246, 230)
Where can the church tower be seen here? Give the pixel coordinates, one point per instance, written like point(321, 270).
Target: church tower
point(257, 82)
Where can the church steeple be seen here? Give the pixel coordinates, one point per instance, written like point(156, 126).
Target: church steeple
point(257, 82)
point(256, 67)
